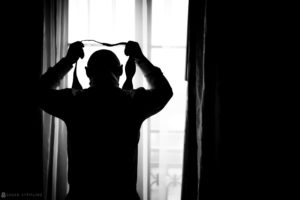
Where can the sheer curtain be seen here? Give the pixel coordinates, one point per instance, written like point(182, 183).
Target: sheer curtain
point(54, 130)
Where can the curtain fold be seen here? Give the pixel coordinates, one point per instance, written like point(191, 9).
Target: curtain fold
point(209, 165)
point(54, 132)
point(195, 76)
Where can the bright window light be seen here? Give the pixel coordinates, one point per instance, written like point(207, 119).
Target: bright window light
point(112, 21)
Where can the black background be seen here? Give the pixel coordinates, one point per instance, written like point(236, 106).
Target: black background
point(20, 135)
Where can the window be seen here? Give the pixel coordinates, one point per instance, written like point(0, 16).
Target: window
point(160, 28)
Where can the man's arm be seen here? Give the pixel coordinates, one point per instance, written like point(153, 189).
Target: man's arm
point(160, 92)
point(51, 79)
point(56, 101)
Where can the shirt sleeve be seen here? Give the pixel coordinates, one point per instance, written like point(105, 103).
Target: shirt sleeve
point(57, 102)
point(150, 101)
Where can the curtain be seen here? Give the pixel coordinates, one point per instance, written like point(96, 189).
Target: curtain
point(54, 130)
point(214, 140)
point(195, 77)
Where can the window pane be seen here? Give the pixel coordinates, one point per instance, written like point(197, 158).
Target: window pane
point(78, 20)
point(100, 20)
point(167, 128)
point(172, 63)
point(108, 21)
point(125, 20)
point(169, 22)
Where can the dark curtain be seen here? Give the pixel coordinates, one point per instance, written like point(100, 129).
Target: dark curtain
point(235, 139)
point(195, 77)
point(212, 165)
point(215, 136)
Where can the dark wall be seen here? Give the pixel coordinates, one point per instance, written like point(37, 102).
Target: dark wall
point(21, 135)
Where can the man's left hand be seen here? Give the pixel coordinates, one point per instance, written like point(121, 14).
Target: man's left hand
point(75, 52)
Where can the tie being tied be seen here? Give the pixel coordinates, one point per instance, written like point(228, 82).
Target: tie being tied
point(76, 84)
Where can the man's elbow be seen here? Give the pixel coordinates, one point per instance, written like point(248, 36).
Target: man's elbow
point(170, 93)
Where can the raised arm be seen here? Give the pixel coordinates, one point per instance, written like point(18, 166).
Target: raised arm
point(160, 91)
point(51, 79)
point(53, 101)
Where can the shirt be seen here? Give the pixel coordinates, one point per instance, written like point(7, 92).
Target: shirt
point(103, 124)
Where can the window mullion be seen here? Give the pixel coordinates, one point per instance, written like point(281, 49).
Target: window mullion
point(149, 27)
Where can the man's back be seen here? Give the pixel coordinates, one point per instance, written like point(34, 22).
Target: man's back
point(103, 133)
point(103, 122)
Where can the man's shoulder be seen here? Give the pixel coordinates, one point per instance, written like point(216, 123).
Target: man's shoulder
point(72, 92)
point(134, 92)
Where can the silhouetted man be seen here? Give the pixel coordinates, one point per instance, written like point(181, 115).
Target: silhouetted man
point(103, 121)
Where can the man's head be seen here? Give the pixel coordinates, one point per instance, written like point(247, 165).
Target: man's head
point(104, 65)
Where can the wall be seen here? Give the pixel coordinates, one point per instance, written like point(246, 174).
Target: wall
point(21, 136)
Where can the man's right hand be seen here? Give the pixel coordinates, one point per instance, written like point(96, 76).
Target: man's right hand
point(133, 49)
point(75, 52)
